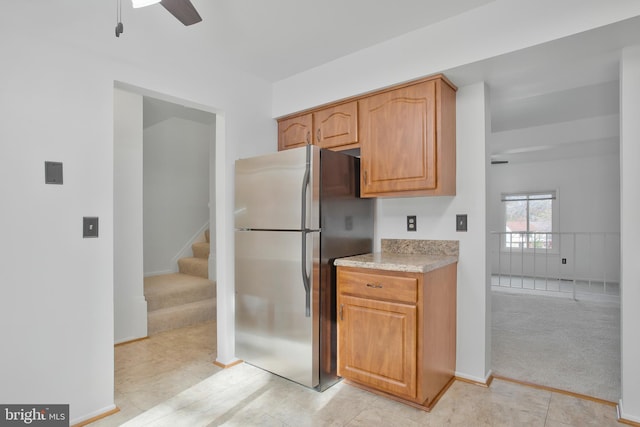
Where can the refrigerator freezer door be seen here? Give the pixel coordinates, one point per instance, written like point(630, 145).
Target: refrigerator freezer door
point(272, 331)
point(347, 219)
point(269, 191)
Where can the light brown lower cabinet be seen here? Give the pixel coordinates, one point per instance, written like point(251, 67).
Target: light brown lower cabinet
point(397, 331)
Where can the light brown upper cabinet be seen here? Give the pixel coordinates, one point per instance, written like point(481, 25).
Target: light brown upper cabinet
point(295, 131)
point(406, 135)
point(336, 127)
point(407, 140)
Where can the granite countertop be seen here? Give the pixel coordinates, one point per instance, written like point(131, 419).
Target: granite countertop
point(417, 256)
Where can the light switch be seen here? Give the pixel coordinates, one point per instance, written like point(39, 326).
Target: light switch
point(461, 222)
point(90, 226)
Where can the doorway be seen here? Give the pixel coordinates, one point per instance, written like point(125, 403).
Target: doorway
point(556, 293)
point(168, 120)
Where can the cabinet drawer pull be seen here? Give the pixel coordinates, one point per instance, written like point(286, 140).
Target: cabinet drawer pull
point(374, 285)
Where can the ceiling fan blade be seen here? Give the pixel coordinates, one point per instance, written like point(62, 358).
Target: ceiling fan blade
point(183, 10)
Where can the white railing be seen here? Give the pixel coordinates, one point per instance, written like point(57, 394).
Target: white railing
point(574, 262)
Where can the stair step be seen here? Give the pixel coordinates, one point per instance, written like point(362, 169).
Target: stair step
point(175, 289)
point(181, 316)
point(201, 249)
point(194, 266)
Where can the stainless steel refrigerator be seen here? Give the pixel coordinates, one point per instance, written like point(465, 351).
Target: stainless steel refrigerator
point(296, 211)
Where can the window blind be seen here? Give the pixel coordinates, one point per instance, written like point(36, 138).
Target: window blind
point(515, 197)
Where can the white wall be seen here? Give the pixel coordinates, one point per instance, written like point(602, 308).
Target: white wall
point(630, 230)
point(129, 304)
point(587, 187)
point(588, 201)
point(57, 85)
point(176, 189)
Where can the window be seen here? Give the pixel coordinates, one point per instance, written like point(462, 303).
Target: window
point(529, 220)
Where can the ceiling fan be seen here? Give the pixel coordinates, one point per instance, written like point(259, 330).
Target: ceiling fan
point(183, 10)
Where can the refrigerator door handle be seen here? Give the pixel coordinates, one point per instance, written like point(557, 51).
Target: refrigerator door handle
point(306, 279)
point(306, 181)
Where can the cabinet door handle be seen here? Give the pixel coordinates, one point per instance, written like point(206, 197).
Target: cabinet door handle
point(374, 285)
point(365, 176)
point(341, 307)
point(318, 134)
point(308, 137)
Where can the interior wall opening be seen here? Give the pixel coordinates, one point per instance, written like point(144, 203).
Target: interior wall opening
point(555, 263)
point(164, 244)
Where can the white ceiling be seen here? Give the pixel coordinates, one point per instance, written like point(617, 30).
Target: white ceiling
point(278, 38)
point(556, 100)
point(548, 101)
point(156, 111)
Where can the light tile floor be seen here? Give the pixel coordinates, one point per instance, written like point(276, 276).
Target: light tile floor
point(169, 380)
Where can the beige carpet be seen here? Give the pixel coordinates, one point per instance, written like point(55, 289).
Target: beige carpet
point(178, 300)
point(185, 298)
point(558, 342)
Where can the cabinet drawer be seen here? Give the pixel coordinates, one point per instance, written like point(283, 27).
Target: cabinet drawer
point(378, 286)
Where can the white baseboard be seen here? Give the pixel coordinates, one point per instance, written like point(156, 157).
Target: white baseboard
point(626, 417)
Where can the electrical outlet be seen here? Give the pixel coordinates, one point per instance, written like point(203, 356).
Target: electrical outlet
point(412, 223)
point(348, 222)
point(461, 222)
point(564, 260)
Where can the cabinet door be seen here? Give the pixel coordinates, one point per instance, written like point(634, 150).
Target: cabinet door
point(337, 126)
point(377, 344)
point(295, 131)
point(398, 140)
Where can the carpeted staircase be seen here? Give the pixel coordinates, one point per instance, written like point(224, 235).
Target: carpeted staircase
point(182, 299)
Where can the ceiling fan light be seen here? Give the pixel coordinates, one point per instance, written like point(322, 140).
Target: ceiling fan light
point(143, 3)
